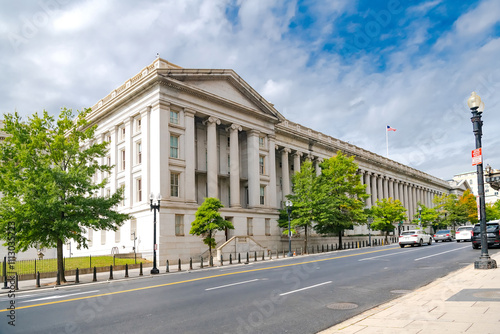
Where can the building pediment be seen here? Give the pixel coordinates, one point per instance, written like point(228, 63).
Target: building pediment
point(220, 84)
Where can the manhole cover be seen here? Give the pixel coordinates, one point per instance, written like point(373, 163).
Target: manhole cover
point(342, 306)
point(401, 291)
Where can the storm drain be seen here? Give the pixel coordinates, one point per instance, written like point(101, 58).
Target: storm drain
point(402, 292)
point(342, 306)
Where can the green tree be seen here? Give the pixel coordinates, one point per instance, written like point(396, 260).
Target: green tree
point(425, 216)
point(387, 213)
point(304, 198)
point(46, 178)
point(493, 211)
point(340, 200)
point(208, 221)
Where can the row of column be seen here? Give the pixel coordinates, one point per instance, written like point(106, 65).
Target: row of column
point(380, 186)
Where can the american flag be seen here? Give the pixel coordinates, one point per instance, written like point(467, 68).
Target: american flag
point(390, 129)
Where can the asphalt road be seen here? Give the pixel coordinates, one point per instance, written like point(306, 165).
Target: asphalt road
point(300, 295)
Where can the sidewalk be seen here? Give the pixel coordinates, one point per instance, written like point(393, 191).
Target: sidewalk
point(466, 301)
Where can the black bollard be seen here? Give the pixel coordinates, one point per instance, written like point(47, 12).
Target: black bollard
point(110, 272)
point(77, 276)
point(211, 261)
point(263, 252)
point(126, 270)
point(190, 263)
point(17, 282)
point(230, 259)
point(168, 267)
point(201, 262)
point(140, 269)
point(322, 248)
point(239, 258)
point(248, 258)
point(37, 279)
point(255, 257)
point(94, 279)
point(221, 260)
point(180, 268)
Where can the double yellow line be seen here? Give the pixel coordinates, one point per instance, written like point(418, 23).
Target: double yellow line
point(196, 279)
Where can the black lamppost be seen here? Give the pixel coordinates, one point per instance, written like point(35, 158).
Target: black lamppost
point(288, 205)
point(476, 107)
point(154, 208)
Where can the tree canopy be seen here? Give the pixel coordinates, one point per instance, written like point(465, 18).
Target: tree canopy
point(208, 220)
point(46, 179)
point(387, 214)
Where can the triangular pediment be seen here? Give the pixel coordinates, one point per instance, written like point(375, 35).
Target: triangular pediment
point(223, 84)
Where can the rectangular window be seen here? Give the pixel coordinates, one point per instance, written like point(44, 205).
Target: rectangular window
point(261, 142)
point(249, 226)
point(268, 226)
point(108, 193)
point(138, 148)
point(122, 132)
point(138, 183)
point(174, 117)
point(133, 229)
point(174, 146)
point(103, 237)
point(122, 185)
point(174, 184)
point(138, 125)
point(262, 195)
point(122, 159)
point(117, 235)
point(91, 237)
point(108, 138)
point(262, 169)
point(179, 225)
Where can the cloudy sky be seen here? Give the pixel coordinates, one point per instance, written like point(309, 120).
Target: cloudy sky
point(345, 68)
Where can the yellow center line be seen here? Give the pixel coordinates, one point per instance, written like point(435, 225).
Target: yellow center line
point(196, 279)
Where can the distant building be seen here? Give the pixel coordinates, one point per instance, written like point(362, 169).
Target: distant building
point(491, 195)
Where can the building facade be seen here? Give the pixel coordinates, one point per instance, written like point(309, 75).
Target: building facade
point(490, 194)
point(188, 134)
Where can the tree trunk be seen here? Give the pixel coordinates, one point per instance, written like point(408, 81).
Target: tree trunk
point(305, 239)
point(60, 261)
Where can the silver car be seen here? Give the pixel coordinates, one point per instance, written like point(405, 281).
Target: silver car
point(444, 235)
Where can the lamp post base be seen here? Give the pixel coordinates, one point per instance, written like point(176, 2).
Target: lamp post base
point(290, 254)
point(155, 271)
point(485, 263)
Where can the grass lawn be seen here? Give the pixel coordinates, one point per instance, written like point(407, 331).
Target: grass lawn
point(28, 266)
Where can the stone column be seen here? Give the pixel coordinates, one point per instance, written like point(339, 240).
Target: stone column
point(285, 170)
point(272, 191)
point(296, 161)
point(253, 168)
point(367, 181)
point(391, 188)
point(407, 199)
point(145, 160)
point(374, 196)
point(317, 167)
point(385, 183)
point(396, 190)
point(212, 172)
point(190, 156)
point(160, 150)
point(234, 172)
point(129, 162)
point(380, 187)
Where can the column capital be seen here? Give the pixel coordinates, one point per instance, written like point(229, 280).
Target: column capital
point(287, 150)
point(189, 112)
point(298, 154)
point(144, 112)
point(212, 120)
point(271, 136)
point(253, 132)
point(234, 127)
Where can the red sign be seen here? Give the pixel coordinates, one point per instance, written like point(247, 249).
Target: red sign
point(477, 157)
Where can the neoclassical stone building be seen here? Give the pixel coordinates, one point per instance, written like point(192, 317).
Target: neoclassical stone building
point(188, 134)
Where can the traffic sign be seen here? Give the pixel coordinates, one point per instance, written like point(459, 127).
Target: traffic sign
point(477, 157)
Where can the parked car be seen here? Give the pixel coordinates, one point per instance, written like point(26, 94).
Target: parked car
point(443, 235)
point(414, 238)
point(464, 233)
point(492, 232)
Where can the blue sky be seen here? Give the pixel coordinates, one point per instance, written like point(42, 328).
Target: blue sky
point(345, 68)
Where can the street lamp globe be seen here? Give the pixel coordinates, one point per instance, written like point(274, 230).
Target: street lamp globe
point(474, 101)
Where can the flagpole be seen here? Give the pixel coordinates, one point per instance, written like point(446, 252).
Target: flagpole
point(387, 142)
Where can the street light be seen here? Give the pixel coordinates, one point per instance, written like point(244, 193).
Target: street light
point(288, 205)
point(477, 107)
point(154, 208)
point(419, 216)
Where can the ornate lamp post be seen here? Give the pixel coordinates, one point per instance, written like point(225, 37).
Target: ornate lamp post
point(477, 107)
point(154, 208)
point(288, 205)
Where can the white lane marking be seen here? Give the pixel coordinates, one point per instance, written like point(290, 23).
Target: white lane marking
point(425, 257)
point(376, 257)
point(306, 288)
point(233, 284)
point(58, 296)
